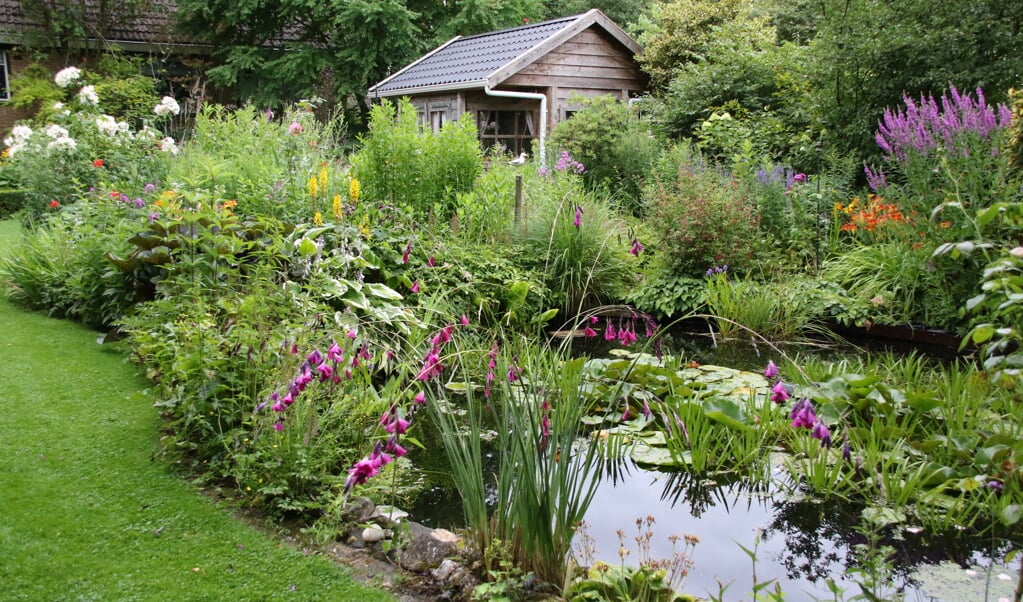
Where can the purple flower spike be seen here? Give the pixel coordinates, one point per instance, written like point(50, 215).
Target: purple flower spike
point(771, 371)
point(637, 247)
point(578, 217)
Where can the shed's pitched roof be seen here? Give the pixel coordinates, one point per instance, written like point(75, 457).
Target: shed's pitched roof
point(487, 59)
point(152, 24)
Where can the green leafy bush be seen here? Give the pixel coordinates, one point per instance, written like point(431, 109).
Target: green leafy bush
point(702, 217)
point(403, 164)
point(613, 143)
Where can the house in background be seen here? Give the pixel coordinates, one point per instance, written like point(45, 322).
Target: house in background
point(147, 30)
point(519, 82)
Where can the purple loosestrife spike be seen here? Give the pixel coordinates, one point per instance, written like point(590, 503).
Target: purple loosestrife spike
point(578, 217)
point(771, 371)
point(779, 393)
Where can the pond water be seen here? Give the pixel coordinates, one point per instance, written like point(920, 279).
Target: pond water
point(801, 541)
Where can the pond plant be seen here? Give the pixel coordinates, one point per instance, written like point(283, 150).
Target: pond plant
point(314, 320)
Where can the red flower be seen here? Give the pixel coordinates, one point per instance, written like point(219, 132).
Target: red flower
point(97, 163)
point(54, 204)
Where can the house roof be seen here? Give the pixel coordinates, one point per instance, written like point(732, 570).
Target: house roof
point(151, 25)
point(488, 59)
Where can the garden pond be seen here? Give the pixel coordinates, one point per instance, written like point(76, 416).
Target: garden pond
point(798, 540)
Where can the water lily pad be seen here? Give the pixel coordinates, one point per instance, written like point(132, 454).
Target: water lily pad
point(646, 455)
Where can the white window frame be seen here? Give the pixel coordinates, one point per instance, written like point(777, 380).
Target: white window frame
point(5, 94)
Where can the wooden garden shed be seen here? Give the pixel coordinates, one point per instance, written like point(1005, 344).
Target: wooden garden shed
point(519, 82)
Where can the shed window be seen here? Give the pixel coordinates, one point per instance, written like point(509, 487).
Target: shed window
point(5, 90)
point(513, 130)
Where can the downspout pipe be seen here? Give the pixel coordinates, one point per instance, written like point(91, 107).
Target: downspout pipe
point(543, 114)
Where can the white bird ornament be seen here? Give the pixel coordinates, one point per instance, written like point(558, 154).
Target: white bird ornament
point(520, 160)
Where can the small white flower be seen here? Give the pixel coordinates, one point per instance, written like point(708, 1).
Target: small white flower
point(55, 131)
point(167, 106)
point(971, 573)
point(87, 96)
point(1017, 252)
point(1004, 577)
point(63, 143)
point(67, 76)
point(58, 106)
point(167, 145)
point(147, 133)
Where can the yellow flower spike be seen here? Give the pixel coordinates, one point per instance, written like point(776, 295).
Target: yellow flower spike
point(353, 191)
point(314, 186)
point(337, 207)
point(318, 218)
point(323, 179)
point(364, 226)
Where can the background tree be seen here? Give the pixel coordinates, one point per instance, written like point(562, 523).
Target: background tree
point(625, 13)
point(273, 52)
point(77, 25)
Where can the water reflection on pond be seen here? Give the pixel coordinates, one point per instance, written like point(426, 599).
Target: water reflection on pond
point(803, 541)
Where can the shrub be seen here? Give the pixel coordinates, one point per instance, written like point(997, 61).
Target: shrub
point(702, 217)
point(296, 173)
point(616, 147)
point(403, 164)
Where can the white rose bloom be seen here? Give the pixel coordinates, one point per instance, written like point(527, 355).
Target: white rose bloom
point(123, 127)
point(87, 96)
point(146, 133)
point(167, 106)
point(21, 133)
point(55, 131)
point(63, 143)
point(67, 76)
point(106, 125)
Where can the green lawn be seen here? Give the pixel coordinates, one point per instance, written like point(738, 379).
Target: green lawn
point(85, 514)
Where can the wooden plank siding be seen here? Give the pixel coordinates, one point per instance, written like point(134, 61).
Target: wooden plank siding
point(588, 61)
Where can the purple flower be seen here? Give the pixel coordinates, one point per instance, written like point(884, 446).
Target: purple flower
point(334, 354)
point(420, 398)
point(578, 217)
point(820, 431)
point(799, 178)
point(326, 371)
point(779, 393)
point(405, 254)
point(803, 415)
point(314, 357)
point(464, 320)
point(609, 332)
point(415, 286)
point(994, 485)
point(637, 248)
point(589, 332)
point(278, 426)
point(149, 187)
point(771, 371)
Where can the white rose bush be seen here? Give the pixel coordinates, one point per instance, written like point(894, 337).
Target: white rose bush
point(94, 152)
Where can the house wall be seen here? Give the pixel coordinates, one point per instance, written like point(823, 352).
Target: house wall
point(9, 116)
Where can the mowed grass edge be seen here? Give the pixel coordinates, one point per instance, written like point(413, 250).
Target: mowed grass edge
point(85, 514)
